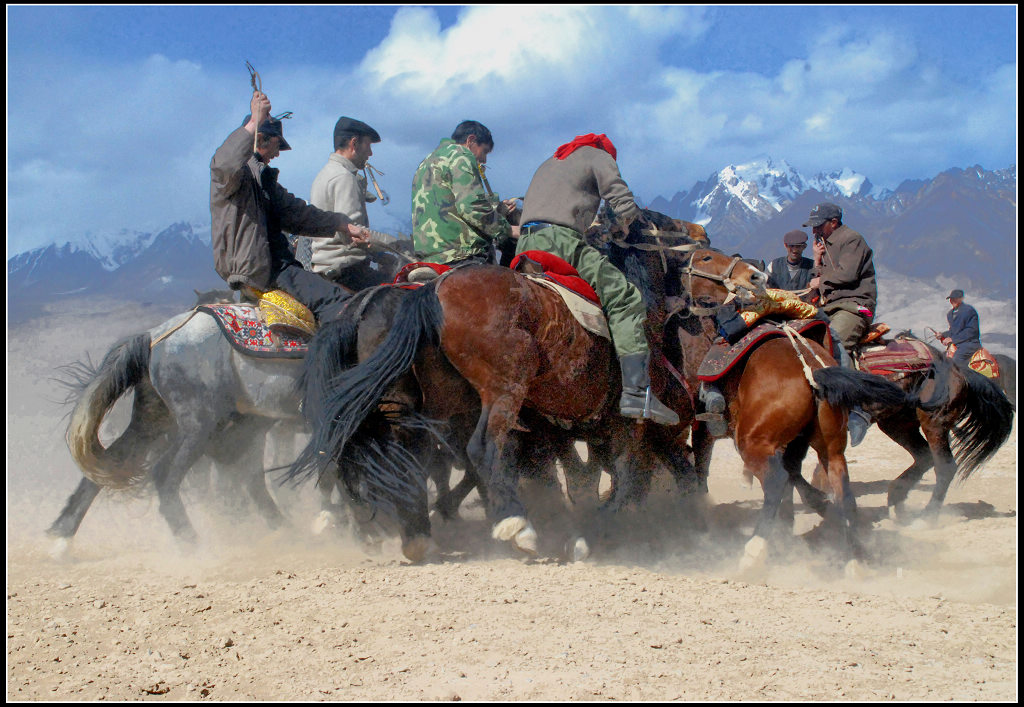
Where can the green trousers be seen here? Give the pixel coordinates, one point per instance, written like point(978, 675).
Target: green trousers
point(621, 300)
point(849, 326)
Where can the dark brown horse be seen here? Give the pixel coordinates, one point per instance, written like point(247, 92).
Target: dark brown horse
point(962, 420)
point(486, 339)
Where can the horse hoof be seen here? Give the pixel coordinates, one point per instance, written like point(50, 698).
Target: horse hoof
point(526, 540)
point(920, 524)
point(59, 549)
point(415, 549)
point(855, 570)
point(755, 554)
point(323, 521)
point(579, 550)
point(510, 527)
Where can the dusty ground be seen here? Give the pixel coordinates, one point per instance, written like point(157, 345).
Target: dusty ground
point(283, 616)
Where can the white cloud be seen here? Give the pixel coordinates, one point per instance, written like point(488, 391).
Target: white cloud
point(128, 145)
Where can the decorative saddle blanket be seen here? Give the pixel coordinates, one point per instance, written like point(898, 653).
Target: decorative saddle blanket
point(243, 327)
point(721, 358)
point(896, 359)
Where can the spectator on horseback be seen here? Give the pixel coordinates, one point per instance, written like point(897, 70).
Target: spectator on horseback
point(340, 187)
point(964, 330)
point(791, 271)
point(845, 280)
point(560, 205)
point(250, 211)
point(455, 217)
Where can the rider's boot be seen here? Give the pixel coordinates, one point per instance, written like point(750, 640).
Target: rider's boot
point(714, 408)
point(638, 399)
point(859, 421)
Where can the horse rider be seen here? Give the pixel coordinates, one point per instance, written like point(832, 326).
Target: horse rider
point(964, 330)
point(791, 271)
point(845, 280)
point(250, 209)
point(455, 217)
point(341, 187)
point(560, 204)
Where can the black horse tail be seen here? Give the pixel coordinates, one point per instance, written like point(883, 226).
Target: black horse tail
point(126, 366)
point(331, 352)
point(353, 395)
point(848, 387)
point(984, 425)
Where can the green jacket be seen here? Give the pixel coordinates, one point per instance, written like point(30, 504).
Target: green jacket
point(453, 217)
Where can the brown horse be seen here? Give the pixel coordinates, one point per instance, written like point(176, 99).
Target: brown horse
point(487, 339)
point(787, 396)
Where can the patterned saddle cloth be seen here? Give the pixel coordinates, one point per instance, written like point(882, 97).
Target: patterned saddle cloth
point(722, 358)
point(244, 327)
point(896, 358)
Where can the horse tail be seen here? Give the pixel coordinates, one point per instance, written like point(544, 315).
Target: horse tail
point(353, 394)
point(847, 387)
point(332, 351)
point(985, 423)
point(126, 366)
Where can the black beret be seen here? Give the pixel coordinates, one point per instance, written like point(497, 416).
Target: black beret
point(347, 128)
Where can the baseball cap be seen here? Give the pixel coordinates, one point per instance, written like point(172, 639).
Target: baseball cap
point(956, 294)
point(825, 211)
point(271, 127)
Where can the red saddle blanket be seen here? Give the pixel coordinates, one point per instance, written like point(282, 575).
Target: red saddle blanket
point(242, 326)
point(555, 269)
point(722, 358)
point(402, 277)
point(898, 358)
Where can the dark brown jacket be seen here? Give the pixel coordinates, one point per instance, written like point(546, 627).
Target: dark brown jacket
point(250, 212)
point(848, 272)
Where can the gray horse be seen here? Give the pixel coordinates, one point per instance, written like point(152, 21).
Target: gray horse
point(195, 396)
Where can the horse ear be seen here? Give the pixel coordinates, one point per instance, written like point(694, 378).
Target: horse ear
point(196, 291)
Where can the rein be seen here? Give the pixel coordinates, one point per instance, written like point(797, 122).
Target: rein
point(794, 338)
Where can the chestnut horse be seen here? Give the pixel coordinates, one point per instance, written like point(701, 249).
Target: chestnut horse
point(486, 339)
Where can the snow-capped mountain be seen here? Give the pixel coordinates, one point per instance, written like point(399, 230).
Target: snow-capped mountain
point(961, 224)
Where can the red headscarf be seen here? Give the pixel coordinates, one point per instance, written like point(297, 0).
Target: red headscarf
point(601, 142)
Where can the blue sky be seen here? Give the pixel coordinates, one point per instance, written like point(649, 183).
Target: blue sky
point(114, 112)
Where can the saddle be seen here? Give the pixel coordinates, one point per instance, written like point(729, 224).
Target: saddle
point(895, 359)
point(416, 275)
point(723, 357)
point(248, 333)
point(552, 272)
point(981, 361)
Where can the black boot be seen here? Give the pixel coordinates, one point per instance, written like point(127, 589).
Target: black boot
point(859, 421)
point(638, 399)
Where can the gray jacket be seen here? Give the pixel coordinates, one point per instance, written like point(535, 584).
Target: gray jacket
point(568, 192)
point(250, 211)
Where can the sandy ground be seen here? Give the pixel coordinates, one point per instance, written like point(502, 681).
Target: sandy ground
point(660, 614)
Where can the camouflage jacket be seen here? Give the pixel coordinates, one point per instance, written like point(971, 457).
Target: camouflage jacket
point(453, 217)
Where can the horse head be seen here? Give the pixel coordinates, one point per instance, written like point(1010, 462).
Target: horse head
point(709, 278)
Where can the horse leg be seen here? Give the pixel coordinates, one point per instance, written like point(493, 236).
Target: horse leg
point(70, 518)
point(907, 434)
point(239, 455)
point(792, 460)
point(488, 455)
point(448, 504)
point(690, 485)
point(945, 469)
point(774, 482)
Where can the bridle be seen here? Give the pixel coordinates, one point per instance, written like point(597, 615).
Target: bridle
point(691, 270)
